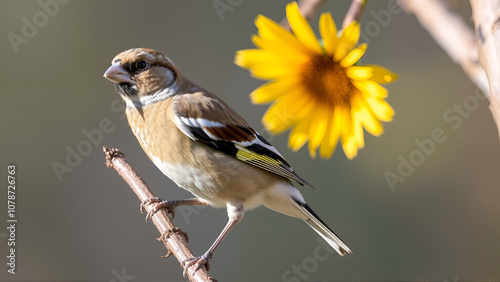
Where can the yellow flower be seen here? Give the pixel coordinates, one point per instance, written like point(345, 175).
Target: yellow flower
point(316, 88)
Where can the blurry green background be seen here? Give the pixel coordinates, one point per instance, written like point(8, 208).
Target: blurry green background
point(440, 223)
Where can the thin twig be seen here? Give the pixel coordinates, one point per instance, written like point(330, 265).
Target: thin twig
point(307, 8)
point(171, 236)
point(354, 12)
point(486, 16)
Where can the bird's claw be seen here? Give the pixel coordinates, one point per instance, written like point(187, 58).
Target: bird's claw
point(197, 262)
point(159, 204)
point(148, 201)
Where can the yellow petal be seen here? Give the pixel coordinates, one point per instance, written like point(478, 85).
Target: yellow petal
point(382, 75)
point(271, 90)
point(347, 41)
point(298, 135)
point(345, 122)
point(274, 70)
point(366, 118)
point(275, 121)
point(357, 130)
point(370, 88)
point(245, 58)
point(272, 31)
point(251, 57)
point(359, 73)
point(301, 28)
point(328, 32)
point(284, 51)
point(317, 129)
point(353, 56)
point(370, 123)
point(287, 110)
point(350, 148)
point(329, 143)
point(380, 108)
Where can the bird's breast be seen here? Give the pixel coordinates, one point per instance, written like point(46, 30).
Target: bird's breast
point(178, 157)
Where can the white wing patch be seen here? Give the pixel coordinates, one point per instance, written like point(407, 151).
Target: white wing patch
point(185, 122)
point(200, 122)
point(184, 127)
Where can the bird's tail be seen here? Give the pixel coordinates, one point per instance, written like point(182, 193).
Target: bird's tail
point(322, 229)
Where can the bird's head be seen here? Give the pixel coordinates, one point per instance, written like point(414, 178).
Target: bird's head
point(140, 74)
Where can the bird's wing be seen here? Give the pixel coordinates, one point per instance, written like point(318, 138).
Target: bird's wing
point(205, 118)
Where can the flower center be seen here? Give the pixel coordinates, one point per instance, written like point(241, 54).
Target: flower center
point(327, 80)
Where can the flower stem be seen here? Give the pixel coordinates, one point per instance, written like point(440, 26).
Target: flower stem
point(354, 12)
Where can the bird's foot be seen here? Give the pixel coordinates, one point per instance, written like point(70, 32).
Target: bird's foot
point(197, 262)
point(158, 204)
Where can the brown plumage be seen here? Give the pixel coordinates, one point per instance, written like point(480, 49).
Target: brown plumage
point(205, 147)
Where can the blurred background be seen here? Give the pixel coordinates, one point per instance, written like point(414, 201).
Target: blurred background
point(79, 221)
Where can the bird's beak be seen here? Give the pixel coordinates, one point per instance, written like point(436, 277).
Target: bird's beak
point(117, 74)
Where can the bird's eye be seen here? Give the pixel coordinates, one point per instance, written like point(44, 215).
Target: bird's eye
point(141, 65)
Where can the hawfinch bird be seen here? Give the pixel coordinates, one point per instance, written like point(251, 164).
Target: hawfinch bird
point(205, 147)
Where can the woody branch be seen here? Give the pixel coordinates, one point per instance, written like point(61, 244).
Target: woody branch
point(476, 54)
point(173, 240)
point(486, 16)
